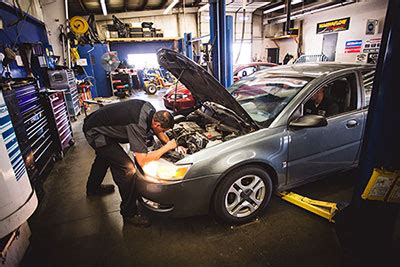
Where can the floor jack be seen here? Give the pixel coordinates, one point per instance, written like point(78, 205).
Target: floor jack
point(324, 209)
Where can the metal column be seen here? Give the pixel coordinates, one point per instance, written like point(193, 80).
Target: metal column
point(229, 51)
point(222, 41)
point(187, 45)
point(218, 40)
point(365, 228)
point(214, 38)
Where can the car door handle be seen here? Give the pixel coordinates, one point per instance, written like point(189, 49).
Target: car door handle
point(351, 123)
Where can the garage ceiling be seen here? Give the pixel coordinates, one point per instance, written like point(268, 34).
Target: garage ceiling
point(276, 12)
point(251, 5)
point(272, 9)
point(86, 7)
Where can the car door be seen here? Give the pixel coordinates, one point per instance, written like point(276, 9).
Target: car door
point(317, 151)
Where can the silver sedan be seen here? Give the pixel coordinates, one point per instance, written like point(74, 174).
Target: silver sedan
point(271, 131)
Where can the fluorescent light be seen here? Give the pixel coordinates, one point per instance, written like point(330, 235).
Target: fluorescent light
point(245, 18)
point(169, 8)
point(294, 2)
point(103, 7)
point(273, 9)
point(204, 8)
point(311, 12)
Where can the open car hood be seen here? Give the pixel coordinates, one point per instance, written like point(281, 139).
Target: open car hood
point(203, 86)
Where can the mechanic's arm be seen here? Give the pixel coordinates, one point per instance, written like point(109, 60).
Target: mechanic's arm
point(144, 158)
point(163, 137)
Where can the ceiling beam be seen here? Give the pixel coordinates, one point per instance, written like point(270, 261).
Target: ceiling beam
point(145, 13)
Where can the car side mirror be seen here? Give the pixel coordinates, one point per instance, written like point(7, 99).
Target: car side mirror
point(309, 121)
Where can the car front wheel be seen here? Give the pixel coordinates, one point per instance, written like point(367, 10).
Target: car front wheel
point(242, 195)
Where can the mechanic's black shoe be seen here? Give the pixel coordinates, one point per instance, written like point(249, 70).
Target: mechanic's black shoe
point(104, 189)
point(137, 220)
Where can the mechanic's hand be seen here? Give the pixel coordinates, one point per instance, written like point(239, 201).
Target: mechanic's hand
point(171, 144)
point(181, 150)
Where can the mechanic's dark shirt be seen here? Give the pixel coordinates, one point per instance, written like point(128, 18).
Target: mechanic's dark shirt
point(124, 122)
point(326, 108)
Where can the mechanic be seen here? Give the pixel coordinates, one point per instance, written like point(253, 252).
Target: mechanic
point(130, 122)
point(319, 104)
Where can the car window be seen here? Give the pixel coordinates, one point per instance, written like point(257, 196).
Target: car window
point(334, 98)
point(246, 71)
point(264, 97)
point(368, 82)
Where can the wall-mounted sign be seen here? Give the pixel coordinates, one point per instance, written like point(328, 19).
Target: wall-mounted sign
point(371, 26)
point(372, 45)
point(353, 46)
point(373, 58)
point(362, 58)
point(333, 25)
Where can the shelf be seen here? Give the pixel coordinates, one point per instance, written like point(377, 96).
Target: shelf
point(149, 39)
point(283, 37)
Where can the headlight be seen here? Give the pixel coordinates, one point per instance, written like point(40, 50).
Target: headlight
point(164, 170)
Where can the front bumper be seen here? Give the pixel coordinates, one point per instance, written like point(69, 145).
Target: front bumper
point(184, 198)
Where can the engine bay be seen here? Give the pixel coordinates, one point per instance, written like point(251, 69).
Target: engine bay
point(205, 127)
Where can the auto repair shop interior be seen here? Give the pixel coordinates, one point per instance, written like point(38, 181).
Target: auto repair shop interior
point(199, 133)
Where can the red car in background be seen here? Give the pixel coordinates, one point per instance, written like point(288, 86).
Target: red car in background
point(184, 98)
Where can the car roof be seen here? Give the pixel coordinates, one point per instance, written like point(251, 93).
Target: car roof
point(315, 69)
point(256, 63)
point(240, 67)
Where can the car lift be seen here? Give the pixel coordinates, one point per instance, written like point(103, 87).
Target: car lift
point(324, 209)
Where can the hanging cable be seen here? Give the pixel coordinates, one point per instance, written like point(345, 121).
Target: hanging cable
point(242, 38)
point(23, 22)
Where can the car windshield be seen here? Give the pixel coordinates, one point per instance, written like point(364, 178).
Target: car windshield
point(265, 97)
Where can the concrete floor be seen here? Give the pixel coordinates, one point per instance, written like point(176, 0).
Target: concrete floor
point(69, 229)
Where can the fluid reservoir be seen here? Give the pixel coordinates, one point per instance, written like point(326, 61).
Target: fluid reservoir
point(17, 198)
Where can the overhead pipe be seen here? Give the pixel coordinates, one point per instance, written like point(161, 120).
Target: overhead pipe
point(310, 10)
point(288, 10)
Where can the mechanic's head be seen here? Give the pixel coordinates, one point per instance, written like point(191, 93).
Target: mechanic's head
point(319, 96)
point(162, 121)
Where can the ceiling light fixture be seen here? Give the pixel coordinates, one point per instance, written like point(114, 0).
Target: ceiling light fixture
point(204, 8)
point(310, 12)
point(294, 2)
point(170, 7)
point(103, 7)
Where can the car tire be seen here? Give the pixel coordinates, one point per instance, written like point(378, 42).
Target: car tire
point(242, 195)
point(151, 89)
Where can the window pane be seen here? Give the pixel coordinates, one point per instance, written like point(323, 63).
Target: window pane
point(334, 98)
point(265, 97)
point(141, 61)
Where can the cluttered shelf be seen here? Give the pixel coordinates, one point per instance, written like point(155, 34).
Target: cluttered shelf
point(148, 39)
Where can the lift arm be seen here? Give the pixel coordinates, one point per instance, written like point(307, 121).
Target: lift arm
point(324, 209)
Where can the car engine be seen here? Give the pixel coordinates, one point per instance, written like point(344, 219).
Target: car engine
point(199, 130)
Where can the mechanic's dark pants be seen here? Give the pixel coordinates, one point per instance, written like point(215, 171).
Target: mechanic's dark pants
point(123, 172)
